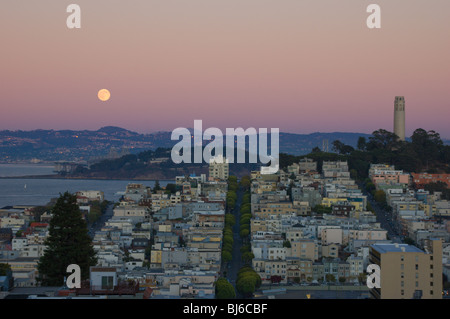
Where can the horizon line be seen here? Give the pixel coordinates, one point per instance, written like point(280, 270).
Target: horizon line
point(168, 131)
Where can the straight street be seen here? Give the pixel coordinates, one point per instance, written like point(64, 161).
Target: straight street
point(236, 263)
point(102, 220)
point(385, 219)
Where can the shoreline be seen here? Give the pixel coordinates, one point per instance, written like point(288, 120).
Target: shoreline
point(83, 178)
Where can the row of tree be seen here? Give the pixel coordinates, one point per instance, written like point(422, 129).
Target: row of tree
point(228, 241)
point(230, 220)
point(223, 288)
point(246, 283)
point(245, 215)
point(247, 280)
point(231, 197)
point(244, 228)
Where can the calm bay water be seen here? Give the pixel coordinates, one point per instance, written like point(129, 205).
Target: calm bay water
point(20, 191)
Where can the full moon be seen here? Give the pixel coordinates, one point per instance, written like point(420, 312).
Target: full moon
point(104, 95)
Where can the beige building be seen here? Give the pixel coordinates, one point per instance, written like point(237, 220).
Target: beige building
point(87, 196)
point(306, 249)
point(366, 234)
point(218, 168)
point(407, 271)
point(160, 201)
point(330, 250)
point(276, 209)
point(332, 235)
point(131, 211)
point(265, 225)
point(294, 233)
point(303, 166)
point(299, 270)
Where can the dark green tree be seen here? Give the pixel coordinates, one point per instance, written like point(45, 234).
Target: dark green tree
point(427, 145)
point(226, 256)
point(244, 232)
point(342, 148)
point(68, 243)
point(247, 281)
point(322, 209)
point(5, 269)
point(362, 143)
point(224, 289)
point(383, 140)
point(157, 187)
point(171, 188)
point(245, 182)
point(380, 196)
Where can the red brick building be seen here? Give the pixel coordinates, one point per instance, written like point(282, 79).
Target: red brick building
point(421, 179)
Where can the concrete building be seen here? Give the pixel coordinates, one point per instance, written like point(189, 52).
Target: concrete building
point(218, 168)
point(86, 196)
point(132, 212)
point(408, 272)
point(304, 248)
point(331, 235)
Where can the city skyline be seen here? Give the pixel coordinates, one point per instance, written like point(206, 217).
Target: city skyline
point(300, 66)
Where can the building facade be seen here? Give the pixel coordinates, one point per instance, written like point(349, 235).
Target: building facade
point(408, 272)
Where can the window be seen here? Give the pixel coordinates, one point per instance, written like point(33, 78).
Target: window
point(107, 282)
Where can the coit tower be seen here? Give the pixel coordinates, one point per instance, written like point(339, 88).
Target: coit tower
point(399, 117)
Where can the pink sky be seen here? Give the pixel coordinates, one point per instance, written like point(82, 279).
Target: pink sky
point(300, 66)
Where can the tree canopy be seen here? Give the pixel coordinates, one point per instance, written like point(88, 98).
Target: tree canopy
point(423, 151)
point(224, 289)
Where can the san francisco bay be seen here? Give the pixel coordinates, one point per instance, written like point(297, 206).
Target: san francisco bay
point(37, 191)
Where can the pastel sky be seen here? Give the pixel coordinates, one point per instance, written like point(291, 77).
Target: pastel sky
point(301, 66)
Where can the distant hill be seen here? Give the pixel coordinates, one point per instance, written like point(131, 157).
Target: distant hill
point(112, 142)
point(300, 144)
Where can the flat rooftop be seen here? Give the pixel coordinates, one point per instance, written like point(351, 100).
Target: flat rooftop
point(388, 248)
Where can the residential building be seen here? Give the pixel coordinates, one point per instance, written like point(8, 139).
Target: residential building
point(408, 272)
point(218, 168)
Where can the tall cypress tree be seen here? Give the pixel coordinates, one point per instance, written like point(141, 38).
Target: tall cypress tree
point(68, 243)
